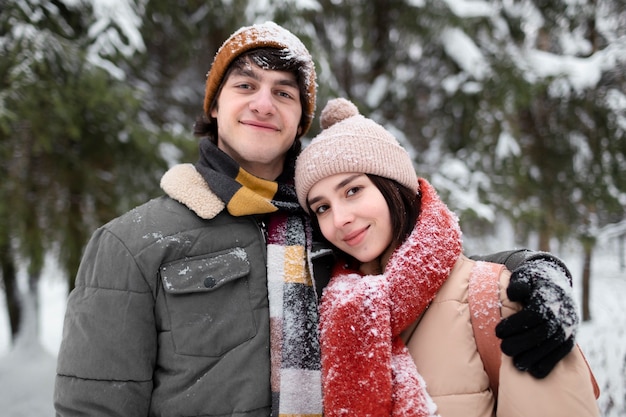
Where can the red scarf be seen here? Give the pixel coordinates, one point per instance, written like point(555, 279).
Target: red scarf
point(366, 368)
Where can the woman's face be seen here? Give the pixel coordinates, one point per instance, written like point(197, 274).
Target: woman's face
point(352, 214)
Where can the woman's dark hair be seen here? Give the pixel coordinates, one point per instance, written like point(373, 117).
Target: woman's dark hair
point(266, 58)
point(404, 206)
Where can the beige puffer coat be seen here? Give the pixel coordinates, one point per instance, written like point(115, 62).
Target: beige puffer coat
point(443, 347)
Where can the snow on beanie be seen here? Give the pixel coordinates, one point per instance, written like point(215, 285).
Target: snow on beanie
point(265, 35)
point(350, 142)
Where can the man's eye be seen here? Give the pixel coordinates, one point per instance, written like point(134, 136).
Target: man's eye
point(285, 94)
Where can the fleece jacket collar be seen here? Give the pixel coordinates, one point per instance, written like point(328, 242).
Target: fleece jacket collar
point(184, 184)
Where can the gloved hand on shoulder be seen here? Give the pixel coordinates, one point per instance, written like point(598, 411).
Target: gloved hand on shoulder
point(543, 332)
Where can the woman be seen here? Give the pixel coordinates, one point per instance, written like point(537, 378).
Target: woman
point(395, 329)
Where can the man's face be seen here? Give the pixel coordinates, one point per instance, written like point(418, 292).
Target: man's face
point(258, 114)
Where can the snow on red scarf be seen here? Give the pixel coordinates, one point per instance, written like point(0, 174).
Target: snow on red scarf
point(366, 368)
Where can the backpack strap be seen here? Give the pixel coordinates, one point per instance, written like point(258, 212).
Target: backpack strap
point(594, 383)
point(484, 307)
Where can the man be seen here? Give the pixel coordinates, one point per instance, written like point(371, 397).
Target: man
point(202, 301)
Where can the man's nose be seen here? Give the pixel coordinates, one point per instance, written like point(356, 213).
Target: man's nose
point(263, 102)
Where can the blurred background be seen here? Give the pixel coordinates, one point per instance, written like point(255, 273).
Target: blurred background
point(514, 109)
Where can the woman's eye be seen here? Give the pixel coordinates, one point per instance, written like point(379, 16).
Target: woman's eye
point(320, 209)
point(352, 191)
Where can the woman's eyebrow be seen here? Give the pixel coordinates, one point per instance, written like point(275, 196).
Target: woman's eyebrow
point(347, 181)
point(341, 184)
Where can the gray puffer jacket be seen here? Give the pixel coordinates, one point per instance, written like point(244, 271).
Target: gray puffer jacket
point(170, 315)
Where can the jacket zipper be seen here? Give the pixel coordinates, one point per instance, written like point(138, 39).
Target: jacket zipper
point(263, 229)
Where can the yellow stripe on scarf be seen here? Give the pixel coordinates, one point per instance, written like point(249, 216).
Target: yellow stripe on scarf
point(254, 197)
point(260, 186)
point(295, 268)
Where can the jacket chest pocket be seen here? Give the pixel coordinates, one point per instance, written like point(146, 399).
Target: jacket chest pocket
point(208, 301)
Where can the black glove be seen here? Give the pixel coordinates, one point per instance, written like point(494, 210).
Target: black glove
point(543, 332)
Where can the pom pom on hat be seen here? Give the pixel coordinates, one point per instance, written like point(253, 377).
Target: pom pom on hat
point(337, 110)
point(265, 35)
point(350, 142)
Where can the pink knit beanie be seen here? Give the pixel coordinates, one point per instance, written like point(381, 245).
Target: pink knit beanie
point(266, 35)
point(350, 142)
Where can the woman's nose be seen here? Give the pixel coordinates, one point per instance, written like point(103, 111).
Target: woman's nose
point(342, 216)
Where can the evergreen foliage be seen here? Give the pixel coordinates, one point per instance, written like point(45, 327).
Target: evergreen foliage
point(486, 95)
point(76, 150)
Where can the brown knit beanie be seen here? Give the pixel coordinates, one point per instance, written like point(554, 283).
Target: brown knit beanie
point(266, 35)
point(350, 142)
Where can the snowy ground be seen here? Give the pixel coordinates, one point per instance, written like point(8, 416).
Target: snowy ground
point(27, 371)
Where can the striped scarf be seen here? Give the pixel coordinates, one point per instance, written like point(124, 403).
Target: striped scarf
point(294, 345)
